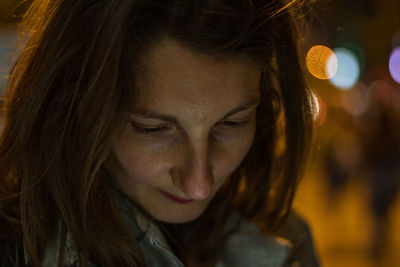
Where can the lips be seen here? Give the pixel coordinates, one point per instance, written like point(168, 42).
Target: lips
point(175, 198)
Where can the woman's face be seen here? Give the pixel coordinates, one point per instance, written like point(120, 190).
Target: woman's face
point(193, 123)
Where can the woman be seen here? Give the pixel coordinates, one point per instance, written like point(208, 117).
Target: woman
point(144, 133)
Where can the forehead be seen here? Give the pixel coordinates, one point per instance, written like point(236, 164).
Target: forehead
point(175, 76)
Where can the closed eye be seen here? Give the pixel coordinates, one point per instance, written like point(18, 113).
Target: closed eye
point(234, 124)
point(150, 131)
point(159, 130)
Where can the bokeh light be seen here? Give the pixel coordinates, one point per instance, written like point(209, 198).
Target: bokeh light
point(394, 64)
point(348, 70)
point(317, 61)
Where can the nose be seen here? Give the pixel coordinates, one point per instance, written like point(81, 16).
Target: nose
point(194, 176)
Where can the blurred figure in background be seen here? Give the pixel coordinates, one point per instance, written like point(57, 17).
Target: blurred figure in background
point(382, 160)
point(342, 152)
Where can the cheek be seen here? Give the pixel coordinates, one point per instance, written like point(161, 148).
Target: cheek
point(231, 155)
point(137, 164)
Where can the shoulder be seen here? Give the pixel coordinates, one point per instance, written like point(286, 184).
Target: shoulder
point(249, 246)
point(296, 230)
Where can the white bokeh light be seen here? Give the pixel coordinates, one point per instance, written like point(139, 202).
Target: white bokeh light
point(348, 70)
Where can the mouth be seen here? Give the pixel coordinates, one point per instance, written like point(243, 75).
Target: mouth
point(175, 198)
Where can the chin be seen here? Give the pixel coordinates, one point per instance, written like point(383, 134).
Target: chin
point(179, 216)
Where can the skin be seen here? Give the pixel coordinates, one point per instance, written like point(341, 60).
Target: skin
point(193, 123)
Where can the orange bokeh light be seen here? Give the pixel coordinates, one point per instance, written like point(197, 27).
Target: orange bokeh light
point(321, 62)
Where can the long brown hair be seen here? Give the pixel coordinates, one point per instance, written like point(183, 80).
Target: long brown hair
point(66, 102)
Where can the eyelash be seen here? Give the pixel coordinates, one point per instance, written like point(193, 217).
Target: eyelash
point(148, 131)
point(234, 124)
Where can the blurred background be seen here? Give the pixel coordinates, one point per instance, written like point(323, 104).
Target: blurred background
point(350, 192)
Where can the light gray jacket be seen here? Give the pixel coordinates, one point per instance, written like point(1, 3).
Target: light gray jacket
point(247, 247)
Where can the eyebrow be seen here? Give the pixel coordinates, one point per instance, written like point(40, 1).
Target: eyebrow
point(150, 114)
